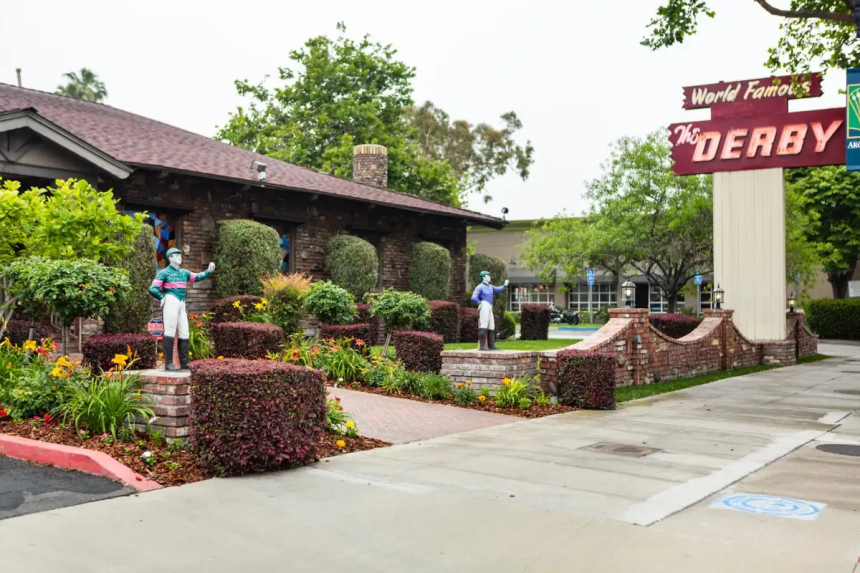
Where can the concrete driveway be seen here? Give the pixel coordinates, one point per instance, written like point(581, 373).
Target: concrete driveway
point(731, 480)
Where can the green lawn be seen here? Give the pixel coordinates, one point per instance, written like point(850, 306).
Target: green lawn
point(580, 325)
point(635, 392)
point(813, 358)
point(552, 344)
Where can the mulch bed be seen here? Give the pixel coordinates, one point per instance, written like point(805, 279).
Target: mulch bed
point(489, 406)
point(189, 468)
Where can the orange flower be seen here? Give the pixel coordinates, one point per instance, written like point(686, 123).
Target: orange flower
point(359, 342)
point(482, 398)
point(341, 444)
point(220, 358)
point(459, 384)
point(335, 348)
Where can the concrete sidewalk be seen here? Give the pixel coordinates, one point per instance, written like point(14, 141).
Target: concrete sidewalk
point(535, 495)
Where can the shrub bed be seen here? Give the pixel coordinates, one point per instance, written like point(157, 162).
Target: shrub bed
point(362, 331)
point(444, 319)
point(586, 380)
point(468, 324)
point(99, 350)
point(674, 325)
point(419, 351)
point(18, 331)
point(249, 340)
point(224, 311)
point(534, 322)
point(834, 318)
point(252, 416)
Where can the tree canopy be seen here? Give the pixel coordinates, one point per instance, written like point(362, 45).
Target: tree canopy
point(83, 85)
point(815, 33)
point(339, 93)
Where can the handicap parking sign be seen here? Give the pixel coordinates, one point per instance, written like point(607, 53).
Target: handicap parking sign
point(697, 278)
point(590, 275)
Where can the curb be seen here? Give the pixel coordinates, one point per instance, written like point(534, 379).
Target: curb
point(70, 458)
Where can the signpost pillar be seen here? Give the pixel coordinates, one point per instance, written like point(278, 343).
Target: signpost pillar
point(590, 276)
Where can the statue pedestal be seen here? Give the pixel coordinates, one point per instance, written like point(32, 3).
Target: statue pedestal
point(487, 369)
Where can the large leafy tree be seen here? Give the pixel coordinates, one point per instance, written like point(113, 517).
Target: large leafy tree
point(831, 197)
point(816, 34)
point(339, 93)
point(83, 85)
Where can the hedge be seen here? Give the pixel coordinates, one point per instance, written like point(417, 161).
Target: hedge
point(224, 311)
point(674, 325)
point(245, 252)
point(534, 322)
point(468, 324)
point(498, 272)
point(508, 327)
point(377, 333)
point(363, 331)
point(134, 311)
point(252, 416)
point(837, 319)
point(586, 379)
point(352, 263)
point(100, 350)
point(444, 319)
point(419, 351)
point(430, 271)
point(246, 339)
point(18, 331)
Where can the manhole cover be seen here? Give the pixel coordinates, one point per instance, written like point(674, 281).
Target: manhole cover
point(770, 505)
point(850, 370)
point(840, 449)
point(851, 392)
point(621, 449)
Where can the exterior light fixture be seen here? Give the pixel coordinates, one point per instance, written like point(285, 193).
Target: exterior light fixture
point(718, 297)
point(513, 262)
point(504, 212)
point(627, 290)
point(260, 168)
point(792, 302)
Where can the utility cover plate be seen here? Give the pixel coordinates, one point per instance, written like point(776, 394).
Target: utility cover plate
point(839, 449)
point(770, 505)
point(620, 449)
point(850, 392)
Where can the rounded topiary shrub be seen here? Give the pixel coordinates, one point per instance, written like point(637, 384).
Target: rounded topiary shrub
point(330, 303)
point(444, 319)
point(352, 263)
point(507, 328)
point(430, 271)
point(534, 322)
point(469, 320)
point(134, 310)
point(250, 340)
point(225, 309)
point(498, 272)
point(586, 379)
point(245, 252)
point(674, 325)
point(18, 331)
point(100, 350)
point(252, 416)
point(419, 351)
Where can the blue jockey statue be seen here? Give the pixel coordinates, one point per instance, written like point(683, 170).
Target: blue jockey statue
point(483, 297)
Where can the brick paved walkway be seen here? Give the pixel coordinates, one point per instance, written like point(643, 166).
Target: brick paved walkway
point(398, 420)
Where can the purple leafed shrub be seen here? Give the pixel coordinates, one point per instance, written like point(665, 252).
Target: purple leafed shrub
point(99, 350)
point(444, 319)
point(255, 415)
point(246, 339)
point(419, 351)
point(586, 380)
point(674, 325)
point(468, 324)
point(224, 311)
point(18, 331)
point(363, 332)
point(534, 322)
point(377, 336)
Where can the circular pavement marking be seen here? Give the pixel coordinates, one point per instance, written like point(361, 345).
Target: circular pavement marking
point(770, 505)
point(840, 449)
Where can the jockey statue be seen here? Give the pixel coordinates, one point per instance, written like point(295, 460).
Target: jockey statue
point(483, 297)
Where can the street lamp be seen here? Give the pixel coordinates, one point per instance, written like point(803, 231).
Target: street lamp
point(792, 302)
point(718, 297)
point(627, 290)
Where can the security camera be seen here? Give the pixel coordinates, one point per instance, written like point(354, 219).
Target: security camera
point(260, 168)
point(504, 210)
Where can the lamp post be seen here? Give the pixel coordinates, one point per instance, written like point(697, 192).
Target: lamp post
point(718, 297)
point(792, 302)
point(627, 290)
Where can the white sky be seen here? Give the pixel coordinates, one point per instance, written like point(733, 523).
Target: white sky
point(573, 71)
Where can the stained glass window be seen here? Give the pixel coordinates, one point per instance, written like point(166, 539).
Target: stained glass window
point(284, 233)
point(164, 225)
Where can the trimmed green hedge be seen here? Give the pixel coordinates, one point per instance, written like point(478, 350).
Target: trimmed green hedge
point(430, 272)
point(507, 328)
point(834, 318)
point(245, 252)
point(498, 272)
point(352, 263)
point(133, 312)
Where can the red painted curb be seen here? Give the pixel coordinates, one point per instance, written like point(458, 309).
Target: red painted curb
point(80, 459)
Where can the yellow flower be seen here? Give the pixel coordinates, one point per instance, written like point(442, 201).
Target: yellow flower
point(341, 444)
point(30, 345)
point(482, 398)
point(220, 358)
point(350, 424)
point(57, 372)
point(8, 366)
point(120, 359)
point(259, 305)
point(264, 301)
point(64, 362)
point(238, 304)
point(507, 382)
point(6, 342)
point(459, 384)
point(469, 383)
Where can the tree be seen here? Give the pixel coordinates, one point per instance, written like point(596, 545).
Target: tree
point(132, 312)
point(477, 153)
point(84, 85)
point(399, 311)
point(815, 33)
point(341, 93)
point(643, 219)
point(831, 196)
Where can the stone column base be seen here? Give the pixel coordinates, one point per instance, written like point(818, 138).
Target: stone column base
point(779, 352)
point(171, 393)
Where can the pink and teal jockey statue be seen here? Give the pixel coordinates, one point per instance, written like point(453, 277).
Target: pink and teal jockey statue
point(170, 286)
point(483, 297)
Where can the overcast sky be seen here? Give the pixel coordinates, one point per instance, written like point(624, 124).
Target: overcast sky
point(573, 71)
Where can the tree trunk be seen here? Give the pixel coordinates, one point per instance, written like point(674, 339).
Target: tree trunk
point(839, 281)
point(672, 303)
point(387, 342)
point(65, 338)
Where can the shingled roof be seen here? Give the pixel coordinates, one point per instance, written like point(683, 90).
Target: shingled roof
point(138, 141)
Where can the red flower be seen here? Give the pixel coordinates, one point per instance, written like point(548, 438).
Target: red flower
point(35, 417)
point(3, 413)
point(47, 417)
point(199, 323)
point(56, 347)
point(42, 351)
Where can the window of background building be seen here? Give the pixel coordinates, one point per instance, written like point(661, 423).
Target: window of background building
point(285, 240)
point(165, 225)
point(521, 294)
point(706, 296)
point(603, 295)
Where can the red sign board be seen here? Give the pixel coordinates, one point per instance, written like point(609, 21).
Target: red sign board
point(802, 139)
point(759, 91)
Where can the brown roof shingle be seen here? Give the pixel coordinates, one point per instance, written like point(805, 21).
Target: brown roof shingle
point(141, 141)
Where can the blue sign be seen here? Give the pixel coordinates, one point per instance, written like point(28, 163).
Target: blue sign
point(697, 278)
point(852, 109)
point(770, 505)
point(590, 275)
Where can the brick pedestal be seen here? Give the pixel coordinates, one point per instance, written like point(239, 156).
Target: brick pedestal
point(779, 352)
point(487, 369)
point(171, 393)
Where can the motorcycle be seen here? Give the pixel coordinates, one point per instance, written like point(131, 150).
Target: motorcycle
point(559, 316)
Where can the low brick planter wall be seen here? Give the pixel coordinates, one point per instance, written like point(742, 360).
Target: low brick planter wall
point(487, 369)
point(171, 393)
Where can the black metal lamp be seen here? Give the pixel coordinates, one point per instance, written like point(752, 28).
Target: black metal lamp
point(627, 290)
point(718, 297)
point(792, 302)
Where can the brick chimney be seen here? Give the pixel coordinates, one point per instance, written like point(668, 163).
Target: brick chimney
point(370, 165)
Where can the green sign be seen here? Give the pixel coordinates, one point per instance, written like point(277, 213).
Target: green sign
point(852, 140)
